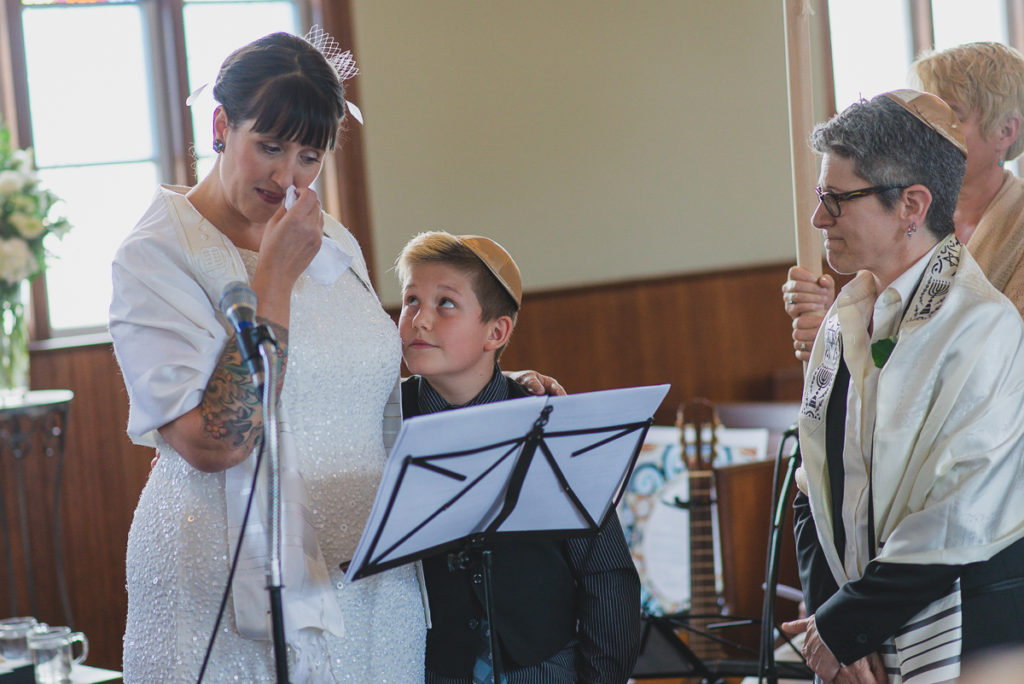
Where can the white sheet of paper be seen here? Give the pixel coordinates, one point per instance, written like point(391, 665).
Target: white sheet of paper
point(430, 508)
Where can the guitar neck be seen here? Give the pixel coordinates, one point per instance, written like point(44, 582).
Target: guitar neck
point(703, 594)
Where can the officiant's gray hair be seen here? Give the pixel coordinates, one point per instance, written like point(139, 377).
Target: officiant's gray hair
point(889, 146)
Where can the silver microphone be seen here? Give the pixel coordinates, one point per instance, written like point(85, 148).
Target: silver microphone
point(238, 304)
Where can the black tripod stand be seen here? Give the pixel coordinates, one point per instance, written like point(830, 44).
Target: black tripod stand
point(768, 668)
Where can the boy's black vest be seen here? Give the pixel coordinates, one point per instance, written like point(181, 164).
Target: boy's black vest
point(534, 595)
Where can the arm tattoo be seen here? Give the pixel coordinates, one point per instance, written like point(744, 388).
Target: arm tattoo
point(231, 408)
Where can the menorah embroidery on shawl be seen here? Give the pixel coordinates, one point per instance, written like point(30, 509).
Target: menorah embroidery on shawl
point(820, 385)
point(817, 393)
point(938, 280)
point(930, 299)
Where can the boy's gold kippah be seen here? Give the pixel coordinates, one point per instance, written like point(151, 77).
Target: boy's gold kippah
point(499, 262)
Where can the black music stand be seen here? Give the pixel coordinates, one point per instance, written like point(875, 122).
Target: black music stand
point(663, 654)
point(539, 467)
point(768, 667)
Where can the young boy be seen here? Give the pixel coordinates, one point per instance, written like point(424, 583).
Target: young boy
point(564, 611)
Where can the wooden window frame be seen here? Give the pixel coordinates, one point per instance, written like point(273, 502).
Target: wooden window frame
point(922, 36)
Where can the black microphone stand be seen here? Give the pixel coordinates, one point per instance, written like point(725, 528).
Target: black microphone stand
point(767, 667)
point(260, 337)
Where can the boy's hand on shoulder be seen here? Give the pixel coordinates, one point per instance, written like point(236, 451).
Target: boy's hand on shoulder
point(535, 383)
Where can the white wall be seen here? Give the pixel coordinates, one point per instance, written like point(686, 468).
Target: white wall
point(597, 140)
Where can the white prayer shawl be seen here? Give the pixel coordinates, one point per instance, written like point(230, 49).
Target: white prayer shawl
point(948, 437)
point(168, 334)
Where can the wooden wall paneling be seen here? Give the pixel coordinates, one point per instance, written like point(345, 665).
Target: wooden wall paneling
point(37, 472)
point(723, 336)
point(103, 476)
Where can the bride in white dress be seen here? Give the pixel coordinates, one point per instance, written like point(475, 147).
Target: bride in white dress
point(191, 396)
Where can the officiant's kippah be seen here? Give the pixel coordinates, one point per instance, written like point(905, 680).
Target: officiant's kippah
point(499, 262)
point(934, 112)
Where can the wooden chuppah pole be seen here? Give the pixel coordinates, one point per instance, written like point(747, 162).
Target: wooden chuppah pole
point(801, 121)
point(808, 255)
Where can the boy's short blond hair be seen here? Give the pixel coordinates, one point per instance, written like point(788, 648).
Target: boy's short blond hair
point(984, 77)
point(440, 247)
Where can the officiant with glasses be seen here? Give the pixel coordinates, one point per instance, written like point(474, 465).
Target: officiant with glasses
point(910, 520)
point(983, 82)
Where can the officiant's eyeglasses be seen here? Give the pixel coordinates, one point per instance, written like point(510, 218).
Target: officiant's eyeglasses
point(831, 200)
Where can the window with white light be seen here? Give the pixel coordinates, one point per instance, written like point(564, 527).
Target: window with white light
point(873, 40)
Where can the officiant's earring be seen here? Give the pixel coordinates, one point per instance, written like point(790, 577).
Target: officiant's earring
point(910, 231)
point(218, 146)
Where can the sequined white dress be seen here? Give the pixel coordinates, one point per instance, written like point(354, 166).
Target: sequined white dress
point(343, 362)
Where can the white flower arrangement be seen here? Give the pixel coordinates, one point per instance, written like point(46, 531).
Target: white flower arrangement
point(27, 216)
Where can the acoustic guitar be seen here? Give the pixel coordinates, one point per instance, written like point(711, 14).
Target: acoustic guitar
point(698, 418)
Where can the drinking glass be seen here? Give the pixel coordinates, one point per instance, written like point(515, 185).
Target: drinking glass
point(13, 646)
point(52, 655)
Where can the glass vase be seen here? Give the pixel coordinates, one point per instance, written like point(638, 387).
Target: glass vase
point(13, 346)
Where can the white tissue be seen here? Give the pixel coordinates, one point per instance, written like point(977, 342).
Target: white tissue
point(329, 263)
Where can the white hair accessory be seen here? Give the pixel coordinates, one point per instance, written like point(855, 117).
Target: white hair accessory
point(342, 61)
point(194, 95)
